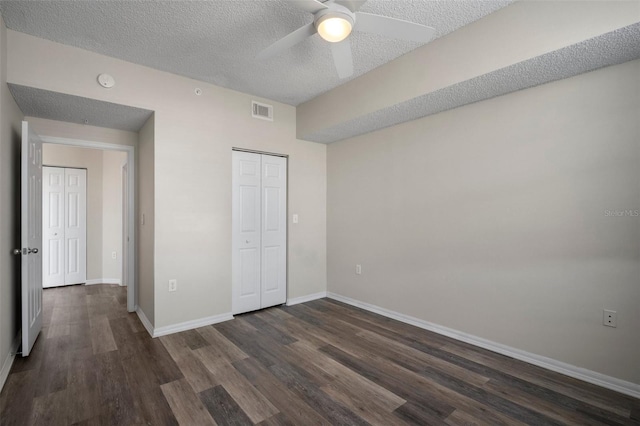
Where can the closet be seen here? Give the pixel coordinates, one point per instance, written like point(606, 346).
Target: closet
point(259, 231)
point(64, 226)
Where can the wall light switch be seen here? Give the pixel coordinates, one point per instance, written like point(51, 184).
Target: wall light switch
point(142, 220)
point(295, 218)
point(173, 285)
point(114, 255)
point(358, 269)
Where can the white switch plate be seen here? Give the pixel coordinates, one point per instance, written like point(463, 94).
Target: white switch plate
point(114, 255)
point(358, 269)
point(173, 285)
point(295, 218)
point(142, 220)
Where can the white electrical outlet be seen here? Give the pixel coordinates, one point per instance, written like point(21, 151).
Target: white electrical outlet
point(358, 269)
point(114, 255)
point(173, 285)
point(610, 318)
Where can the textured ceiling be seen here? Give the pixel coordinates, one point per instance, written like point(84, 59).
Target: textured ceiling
point(74, 109)
point(216, 41)
point(609, 49)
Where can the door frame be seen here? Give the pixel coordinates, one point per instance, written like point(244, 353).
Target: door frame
point(132, 302)
point(285, 156)
point(65, 219)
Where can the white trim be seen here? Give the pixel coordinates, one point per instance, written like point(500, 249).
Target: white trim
point(189, 325)
point(307, 298)
point(144, 320)
point(131, 160)
point(8, 361)
point(618, 385)
point(182, 326)
point(104, 281)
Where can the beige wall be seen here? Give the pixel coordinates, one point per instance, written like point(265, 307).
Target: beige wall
point(490, 219)
point(10, 122)
point(145, 231)
point(193, 138)
point(83, 132)
point(112, 162)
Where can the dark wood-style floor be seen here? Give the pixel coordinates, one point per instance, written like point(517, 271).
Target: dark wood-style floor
point(317, 363)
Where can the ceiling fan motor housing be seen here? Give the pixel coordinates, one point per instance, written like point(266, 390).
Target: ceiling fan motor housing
point(334, 11)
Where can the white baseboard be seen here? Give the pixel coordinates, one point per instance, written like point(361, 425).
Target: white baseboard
point(182, 326)
point(618, 385)
point(104, 281)
point(8, 361)
point(144, 320)
point(307, 298)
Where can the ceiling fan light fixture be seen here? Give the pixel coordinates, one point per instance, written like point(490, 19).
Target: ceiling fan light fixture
point(334, 27)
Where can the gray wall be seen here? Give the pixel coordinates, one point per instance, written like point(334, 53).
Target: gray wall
point(491, 219)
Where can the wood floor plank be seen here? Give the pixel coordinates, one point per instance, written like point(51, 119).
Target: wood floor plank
point(413, 386)
point(304, 388)
point(185, 404)
point(198, 376)
point(224, 409)
point(220, 345)
point(148, 400)
point(396, 350)
point(557, 412)
point(194, 340)
point(279, 419)
point(556, 385)
point(255, 404)
point(418, 414)
point(50, 409)
point(285, 400)
point(16, 399)
point(101, 336)
point(348, 381)
point(83, 400)
point(114, 391)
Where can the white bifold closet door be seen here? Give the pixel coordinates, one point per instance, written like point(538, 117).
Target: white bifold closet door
point(64, 225)
point(259, 231)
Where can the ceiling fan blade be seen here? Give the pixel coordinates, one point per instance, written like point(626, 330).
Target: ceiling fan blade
point(311, 6)
point(393, 28)
point(352, 5)
point(342, 57)
point(287, 42)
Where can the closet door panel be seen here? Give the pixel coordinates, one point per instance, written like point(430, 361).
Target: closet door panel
point(274, 231)
point(75, 226)
point(246, 225)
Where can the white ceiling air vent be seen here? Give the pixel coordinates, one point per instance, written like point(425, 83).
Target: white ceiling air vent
point(262, 111)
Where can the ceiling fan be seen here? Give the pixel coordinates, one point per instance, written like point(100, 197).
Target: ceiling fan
point(335, 19)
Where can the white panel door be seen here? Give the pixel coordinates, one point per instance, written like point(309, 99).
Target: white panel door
point(245, 243)
point(53, 226)
point(75, 231)
point(274, 230)
point(259, 231)
point(31, 235)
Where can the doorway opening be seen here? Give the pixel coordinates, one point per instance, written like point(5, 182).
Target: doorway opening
point(110, 215)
